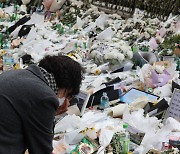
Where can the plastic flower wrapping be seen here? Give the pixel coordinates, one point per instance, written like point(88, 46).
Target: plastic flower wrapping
point(126, 51)
point(96, 35)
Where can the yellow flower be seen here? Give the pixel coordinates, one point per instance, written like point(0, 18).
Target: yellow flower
point(92, 128)
point(84, 131)
point(97, 72)
point(16, 66)
point(3, 52)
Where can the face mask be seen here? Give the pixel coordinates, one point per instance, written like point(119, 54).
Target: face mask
point(61, 100)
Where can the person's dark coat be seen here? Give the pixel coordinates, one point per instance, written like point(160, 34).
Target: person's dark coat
point(27, 110)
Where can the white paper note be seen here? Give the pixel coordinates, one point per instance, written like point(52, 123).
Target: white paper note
point(174, 107)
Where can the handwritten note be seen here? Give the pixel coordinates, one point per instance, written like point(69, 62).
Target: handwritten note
point(174, 107)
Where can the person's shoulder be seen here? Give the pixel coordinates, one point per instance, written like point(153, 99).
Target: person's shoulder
point(33, 67)
point(53, 100)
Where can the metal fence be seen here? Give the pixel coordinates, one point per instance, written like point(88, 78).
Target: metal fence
point(153, 8)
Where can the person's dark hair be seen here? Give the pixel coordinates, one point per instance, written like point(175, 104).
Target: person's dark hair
point(67, 72)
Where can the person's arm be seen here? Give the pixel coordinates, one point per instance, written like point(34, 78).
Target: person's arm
point(39, 126)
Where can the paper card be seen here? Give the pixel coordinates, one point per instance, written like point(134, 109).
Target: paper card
point(153, 112)
point(136, 136)
point(166, 63)
point(82, 99)
point(133, 94)
point(174, 107)
point(153, 44)
point(106, 35)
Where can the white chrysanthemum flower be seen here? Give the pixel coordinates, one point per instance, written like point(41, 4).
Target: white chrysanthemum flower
point(146, 70)
point(135, 31)
point(122, 43)
point(110, 55)
point(150, 30)
point(159, 68)
point(106, 55)
point(119, 34)
point(147, 35)
point(72, 10)
point(115, 51)
point(90, 67)
point(89, 11)
point(94, 46)
point(93, 53)
point(129, 54)
point(154, 21)
point(120, 57)
point(124, 48)
point(115, 40)
point(120, 31)
point(115, 44)
point(110, 21)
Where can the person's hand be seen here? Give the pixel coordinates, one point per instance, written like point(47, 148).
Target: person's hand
point(63, 108)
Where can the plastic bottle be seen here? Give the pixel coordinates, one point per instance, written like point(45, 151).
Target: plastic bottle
point(104, 101)
point(125, 140)
point(8, 62)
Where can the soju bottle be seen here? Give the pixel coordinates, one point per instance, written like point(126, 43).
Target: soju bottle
point(104, 101)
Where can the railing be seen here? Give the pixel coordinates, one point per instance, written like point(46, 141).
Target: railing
point(153, 8)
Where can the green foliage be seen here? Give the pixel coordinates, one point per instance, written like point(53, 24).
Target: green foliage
point(60, 29)
point(169, 43)
point(115, 143)
point(170, 151)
